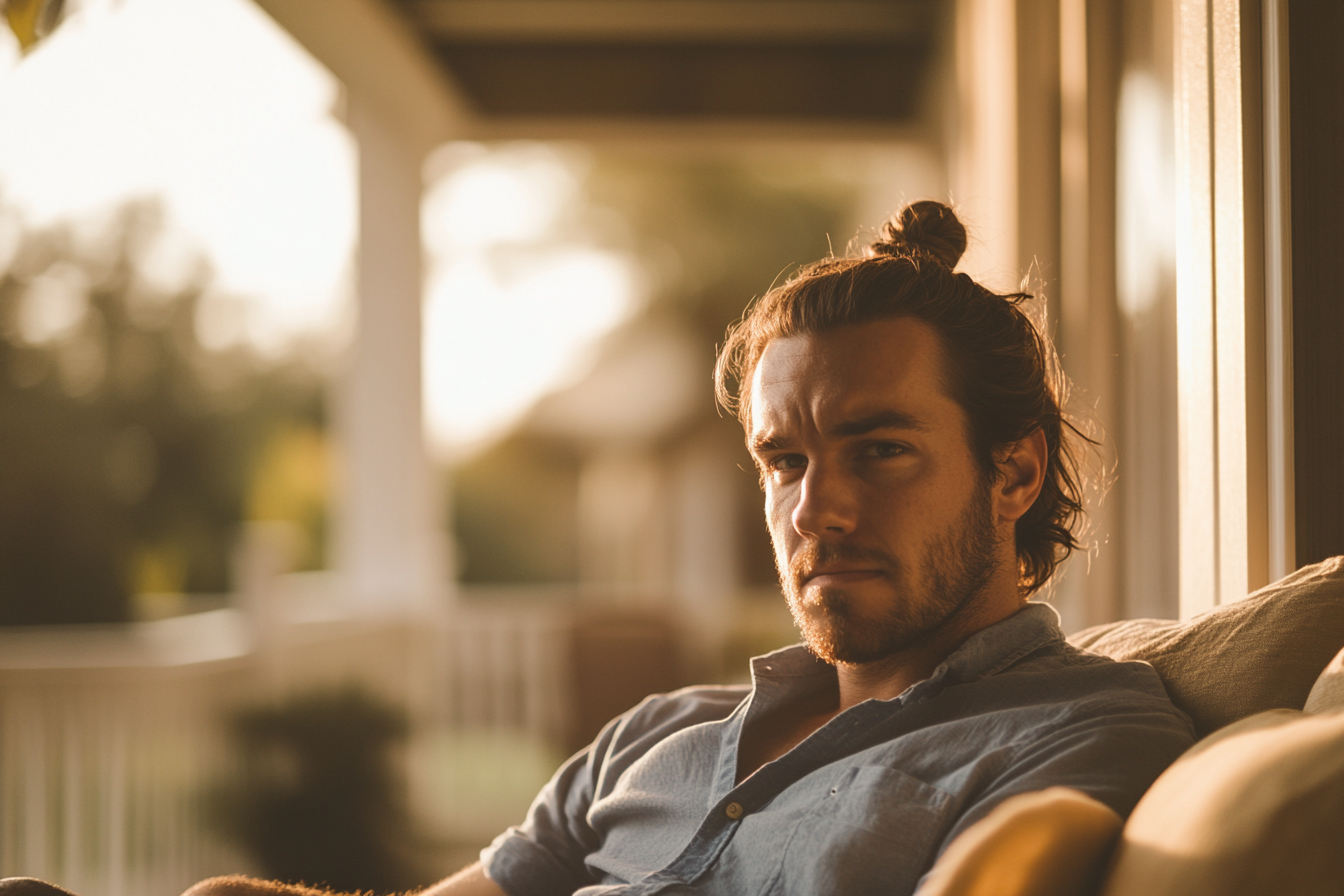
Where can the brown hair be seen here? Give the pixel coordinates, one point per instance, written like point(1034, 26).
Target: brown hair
point(1002, 370)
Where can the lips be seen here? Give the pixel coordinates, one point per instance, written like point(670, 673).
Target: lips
point(837, 564)
point(822, 578)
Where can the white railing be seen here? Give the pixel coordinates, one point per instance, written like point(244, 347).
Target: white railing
point(109, 740)
point(506, 665)
point(112, 737)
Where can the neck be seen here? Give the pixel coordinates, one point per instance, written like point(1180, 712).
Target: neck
point(892, 675)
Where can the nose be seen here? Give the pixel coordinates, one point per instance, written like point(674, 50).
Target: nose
point(827, 504)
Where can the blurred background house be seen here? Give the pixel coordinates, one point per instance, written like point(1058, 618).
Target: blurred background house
point(355, 369)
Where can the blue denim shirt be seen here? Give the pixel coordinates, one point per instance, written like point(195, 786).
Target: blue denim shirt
point(863, 805)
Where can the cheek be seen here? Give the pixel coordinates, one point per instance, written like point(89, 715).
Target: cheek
point(779, 515)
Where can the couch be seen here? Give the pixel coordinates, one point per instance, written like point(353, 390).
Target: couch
point(1256, 806)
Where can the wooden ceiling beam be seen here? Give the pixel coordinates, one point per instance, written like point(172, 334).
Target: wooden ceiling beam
point(713, 21)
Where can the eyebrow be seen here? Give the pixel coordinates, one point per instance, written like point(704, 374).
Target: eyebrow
point(887, 419)
point(765, 443)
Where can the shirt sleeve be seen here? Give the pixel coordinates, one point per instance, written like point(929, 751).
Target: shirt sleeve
point(545, 854)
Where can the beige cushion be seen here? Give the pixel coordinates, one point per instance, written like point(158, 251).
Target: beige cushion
point(1050, 843)
point(1263, 652)
point(1327, 694)
point(1256, 808)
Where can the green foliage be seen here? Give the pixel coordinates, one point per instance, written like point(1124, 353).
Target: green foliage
point(320, 800)
point(126, 447)
point(506, 503)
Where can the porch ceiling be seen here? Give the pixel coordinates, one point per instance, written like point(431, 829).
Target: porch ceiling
point(857, 61)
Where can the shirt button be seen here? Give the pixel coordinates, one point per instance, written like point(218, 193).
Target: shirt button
point(733, 811)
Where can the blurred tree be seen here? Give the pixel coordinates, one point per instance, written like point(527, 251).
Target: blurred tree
point(506, 505)
point(289, 484)
point(320, 800)
point(127, 449)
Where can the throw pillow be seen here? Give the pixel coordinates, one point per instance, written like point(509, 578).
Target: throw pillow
point(1327, 694)
point(1262, 652)
point(1054, 842)
point(1255, 808)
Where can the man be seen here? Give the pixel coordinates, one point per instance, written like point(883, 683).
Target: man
point(919, 485)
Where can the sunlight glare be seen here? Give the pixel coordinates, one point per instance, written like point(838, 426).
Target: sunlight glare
point(1146, 172)
point(220, 321)
point(212, 108)
point(503, 328)
point(511, 199)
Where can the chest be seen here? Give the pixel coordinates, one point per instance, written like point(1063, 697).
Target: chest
point(773, 736)
point(866, 822)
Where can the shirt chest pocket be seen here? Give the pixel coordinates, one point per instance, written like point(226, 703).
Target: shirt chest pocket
point(872, 831)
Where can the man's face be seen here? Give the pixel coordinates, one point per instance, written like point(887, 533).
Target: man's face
point(883, 523)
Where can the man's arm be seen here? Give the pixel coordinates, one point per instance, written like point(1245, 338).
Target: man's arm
point(470, 881)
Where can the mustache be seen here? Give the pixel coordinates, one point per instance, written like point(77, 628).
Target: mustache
point(814, 554)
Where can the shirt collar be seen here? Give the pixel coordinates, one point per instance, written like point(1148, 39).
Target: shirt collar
point(998, 646)
point(985, 653)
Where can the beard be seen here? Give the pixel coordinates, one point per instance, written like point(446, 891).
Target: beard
point(956, 566)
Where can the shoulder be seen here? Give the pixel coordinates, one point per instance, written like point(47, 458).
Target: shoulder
point(1062, 716)
point(1057, 686)
point(1025, 660)
point(1065, 672)
point(1091, 705)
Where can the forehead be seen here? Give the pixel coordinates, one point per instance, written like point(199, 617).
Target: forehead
point(895, 364)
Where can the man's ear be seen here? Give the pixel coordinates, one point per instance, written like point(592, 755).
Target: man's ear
point(1022, 469)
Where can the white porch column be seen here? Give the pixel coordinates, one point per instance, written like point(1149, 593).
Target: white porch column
point(386, 531)
point(399, 105)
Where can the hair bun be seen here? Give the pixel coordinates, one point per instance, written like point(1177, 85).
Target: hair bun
point(926, 226)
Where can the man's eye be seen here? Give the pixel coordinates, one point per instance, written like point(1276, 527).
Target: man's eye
point(884, 449)
point(786, 462)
